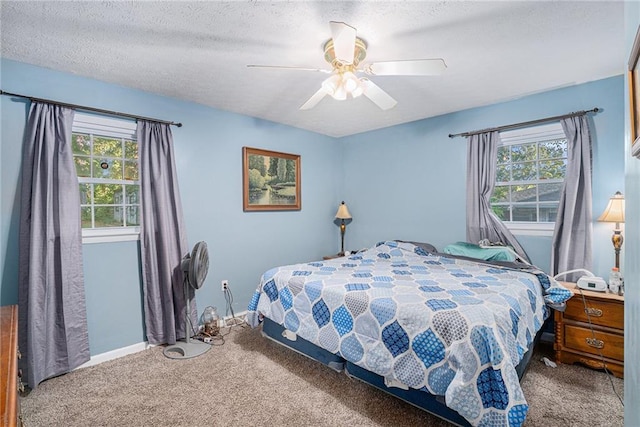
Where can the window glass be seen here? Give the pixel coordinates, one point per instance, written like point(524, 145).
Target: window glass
point(530, 171)
point(106, 161)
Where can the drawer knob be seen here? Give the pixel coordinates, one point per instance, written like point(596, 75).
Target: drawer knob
point(595, 312)
point(594, 342)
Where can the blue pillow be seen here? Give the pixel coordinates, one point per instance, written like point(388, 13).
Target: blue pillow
point(494, 253)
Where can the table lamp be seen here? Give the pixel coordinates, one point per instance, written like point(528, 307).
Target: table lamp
point(615, 213)
point(342, 214)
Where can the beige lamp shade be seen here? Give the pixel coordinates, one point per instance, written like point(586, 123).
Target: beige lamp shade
point(615, 209)
point(343, 212)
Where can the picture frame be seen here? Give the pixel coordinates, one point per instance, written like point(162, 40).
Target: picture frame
point(270, 180)
point(634, 93)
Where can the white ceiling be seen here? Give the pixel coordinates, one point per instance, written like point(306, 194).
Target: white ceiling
point(198, 51)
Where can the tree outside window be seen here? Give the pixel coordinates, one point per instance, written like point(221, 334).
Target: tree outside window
point(529, 180)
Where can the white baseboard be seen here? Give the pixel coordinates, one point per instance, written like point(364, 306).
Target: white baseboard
point(124, 351)
point(114, 354)
point(240, 315)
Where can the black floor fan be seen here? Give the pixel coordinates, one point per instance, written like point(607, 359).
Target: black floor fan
point(195, 267)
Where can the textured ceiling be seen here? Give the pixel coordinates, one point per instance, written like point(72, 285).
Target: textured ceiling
point(198, 51)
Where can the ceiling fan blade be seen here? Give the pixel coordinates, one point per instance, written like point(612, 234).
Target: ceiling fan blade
point(344, 41)
point(415, 67)
point(313, 101)
point(285, 67)
point(379, 97)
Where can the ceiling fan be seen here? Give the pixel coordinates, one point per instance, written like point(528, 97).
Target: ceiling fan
point(345, 52)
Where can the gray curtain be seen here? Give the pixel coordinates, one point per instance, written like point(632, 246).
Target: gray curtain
point(162, 238)
point(571, 243)
point(482, 223)
point(52, 312)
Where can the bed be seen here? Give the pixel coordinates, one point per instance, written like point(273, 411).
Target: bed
point(450, 335)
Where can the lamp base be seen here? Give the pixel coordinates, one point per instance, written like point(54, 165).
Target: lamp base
point(617, 240)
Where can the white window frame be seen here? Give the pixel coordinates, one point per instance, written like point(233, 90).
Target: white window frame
point(524, 136)
point(109, 127)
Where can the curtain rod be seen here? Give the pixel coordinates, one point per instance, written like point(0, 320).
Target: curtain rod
point(96, 110)
point(523, 124)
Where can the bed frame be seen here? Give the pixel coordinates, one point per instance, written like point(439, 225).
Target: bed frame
point(421, 399)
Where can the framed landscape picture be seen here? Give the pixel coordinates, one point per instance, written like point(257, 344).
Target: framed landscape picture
point(270, 180)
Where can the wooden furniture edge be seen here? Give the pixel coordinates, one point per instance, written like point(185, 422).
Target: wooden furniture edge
point(9, 360)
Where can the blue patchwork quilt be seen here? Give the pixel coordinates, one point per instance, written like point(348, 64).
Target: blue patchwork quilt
point(451, 327)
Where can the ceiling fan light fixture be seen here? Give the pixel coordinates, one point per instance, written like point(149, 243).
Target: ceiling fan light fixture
point(359, 90)
point(350, 81)
point(342, 84)
point(331, 84)
point(340, 94)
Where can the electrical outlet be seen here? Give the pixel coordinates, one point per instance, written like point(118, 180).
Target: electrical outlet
point(225, 285)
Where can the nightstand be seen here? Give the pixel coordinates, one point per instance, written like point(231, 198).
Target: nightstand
point(574, 341)
point(327, 257)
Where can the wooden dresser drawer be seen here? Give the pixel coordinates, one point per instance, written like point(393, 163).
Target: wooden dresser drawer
point(580, 338)
point(575, 342)
point(601, 312)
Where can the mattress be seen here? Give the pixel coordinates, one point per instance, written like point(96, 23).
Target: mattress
point(450, 327)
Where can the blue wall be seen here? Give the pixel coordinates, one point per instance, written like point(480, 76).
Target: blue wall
point(209, 158)
point(632, 242)
point(409, 181)
point(405, 182)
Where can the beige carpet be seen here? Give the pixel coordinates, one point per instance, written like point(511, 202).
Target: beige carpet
point(251, 381)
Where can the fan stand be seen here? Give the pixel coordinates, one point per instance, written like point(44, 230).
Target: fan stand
point(189, 348)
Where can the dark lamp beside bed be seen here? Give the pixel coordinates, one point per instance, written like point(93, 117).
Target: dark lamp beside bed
point(615, 213)
point(342, 214)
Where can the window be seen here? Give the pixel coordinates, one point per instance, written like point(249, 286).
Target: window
point(531, 167)
point(105, 153)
